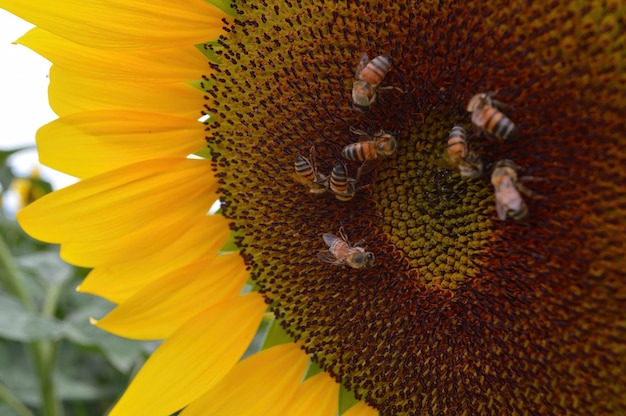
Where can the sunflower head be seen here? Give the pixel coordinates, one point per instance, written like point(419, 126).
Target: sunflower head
point(461, 309)
point(378, 131)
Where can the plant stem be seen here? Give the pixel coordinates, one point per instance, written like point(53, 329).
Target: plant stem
point(11, 277)
point(7, 397)
point(43, 352)
point(48, 351)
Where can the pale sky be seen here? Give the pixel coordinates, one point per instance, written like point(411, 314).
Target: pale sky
point(23, 98)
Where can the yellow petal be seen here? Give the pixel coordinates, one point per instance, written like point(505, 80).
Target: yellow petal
point(107, 139)
point(171, 252)
point(154, 242)
point(172, 232)
point(178, 64)
point(160, 308)
point(123, 24)
point(118, 202)
point(361, 409)
point(317, 396)
point(262, 384)
point(69, 93)
point(194, 358)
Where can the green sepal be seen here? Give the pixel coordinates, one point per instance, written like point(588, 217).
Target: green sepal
point(346, 399)
point(224, 5)
point(209, 49)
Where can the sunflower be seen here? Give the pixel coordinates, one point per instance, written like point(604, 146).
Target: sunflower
point(461, 313)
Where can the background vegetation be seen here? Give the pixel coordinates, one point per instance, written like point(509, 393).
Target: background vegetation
point(52, 360)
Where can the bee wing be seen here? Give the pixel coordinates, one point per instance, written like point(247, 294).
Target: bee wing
point(362, 63)
point(327, 257)
point(366, 167)
point(501, 208)
point(503, 196)
point(330, 239)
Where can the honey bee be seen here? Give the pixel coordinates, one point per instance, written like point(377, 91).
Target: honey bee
point(457, 154)
point(368, 76)
point(489, 118)
point(341, 252)
point(457, 146)
point(341, 185)
point(471, 167)
point(383, 146)
point(307, 174)
point(507, 189)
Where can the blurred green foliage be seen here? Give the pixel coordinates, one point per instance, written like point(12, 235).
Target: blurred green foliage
point(52, 360)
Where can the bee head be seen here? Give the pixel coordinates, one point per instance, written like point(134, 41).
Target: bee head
point(364, 259)
point(364, 108)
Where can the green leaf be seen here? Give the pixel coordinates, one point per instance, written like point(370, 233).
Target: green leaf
point(86, 375)
point(72, 389)
point(5, 154)
point(47, 267)
point(13, 402)
point(6, 410)
point(17, 374)
point(123, 354)
point(6, 177)
point(17, 324)
point(16, 239)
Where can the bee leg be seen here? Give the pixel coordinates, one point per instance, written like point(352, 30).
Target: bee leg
point(358, 131)
point(532, 179)
point(520, 187)
point(360, 243)
point(324, 181)
point(353, 188)
point(312, 159)
point(391, 87)
point(366, 167)
point(342, 234)
point(359, 172)
point(364, 136)
point(366, 187)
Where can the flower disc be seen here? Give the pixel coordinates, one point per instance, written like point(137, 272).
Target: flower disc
point(462, 312)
